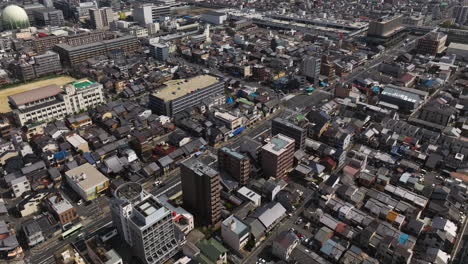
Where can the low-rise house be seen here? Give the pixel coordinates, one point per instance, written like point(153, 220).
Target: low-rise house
point(78, 143)
point(284, 244)
point(211, 251)
point(32, 232)
point(8, 241)
point(269, 215)
point(20, 185)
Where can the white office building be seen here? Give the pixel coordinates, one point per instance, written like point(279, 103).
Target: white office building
point(148, 13)
point(216, 18)
point(53, 102)
point(144, 223)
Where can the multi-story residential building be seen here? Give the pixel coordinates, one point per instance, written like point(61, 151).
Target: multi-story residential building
point(327, 68)
point(178, 95)
point(61, 208)
point(46, 63)
point(278, 156)
point(201, 190)
point(432, 43)
point(87, 181)
point(236, 164)
point(295, 127)
point(52, 102)
point(460, 13)
point(235, 232)
point(310, 67)
point(144, 224)
point(49, 17)
point(101, 18)
point(22, 70)
point(73, 55)
point(159, 51)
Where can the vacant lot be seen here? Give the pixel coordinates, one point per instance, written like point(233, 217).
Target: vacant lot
point(192, 11)
point(4, 93)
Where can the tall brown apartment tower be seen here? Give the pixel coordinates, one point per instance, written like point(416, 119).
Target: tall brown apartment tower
point(278, 156)
point(201, 191)
point(234, 163)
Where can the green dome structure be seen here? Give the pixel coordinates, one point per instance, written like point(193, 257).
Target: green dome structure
point(14, 17)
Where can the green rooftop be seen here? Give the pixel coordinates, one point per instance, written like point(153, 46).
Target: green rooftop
point(245, 101)
point(211, 250)
point(82, 84)
point(300, 117)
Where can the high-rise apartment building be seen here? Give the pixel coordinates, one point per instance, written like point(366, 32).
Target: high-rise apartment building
point(293, 128)
point(47, 63)
point(159, 51)
point(278, 156)
point(236, 164)
point(73, 55)
point(460, 13)
point(48, 17)
point(201, 190)
point(310, 67)
point(101, 17)
point(144, 224)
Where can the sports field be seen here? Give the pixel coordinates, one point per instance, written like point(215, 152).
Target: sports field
point(4, 93)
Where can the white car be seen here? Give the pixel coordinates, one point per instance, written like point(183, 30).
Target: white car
point(157, 183)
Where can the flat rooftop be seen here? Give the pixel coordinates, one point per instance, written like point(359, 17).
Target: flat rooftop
point(92, 178)
point(199, 167)
point(460, 46)
point(177, 88)
point(233, 153)
point(278, 144)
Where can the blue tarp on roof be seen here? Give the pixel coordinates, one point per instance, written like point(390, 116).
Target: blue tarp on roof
point(402, 239)
point(237, 131)
point(60, 155)
point(229, 100)
point(253, 94)
point(376, 89)
point(89, 158)
point(323, 83)
point(428, 82)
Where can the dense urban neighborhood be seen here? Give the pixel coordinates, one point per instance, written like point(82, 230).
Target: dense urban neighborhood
point(233, 131)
